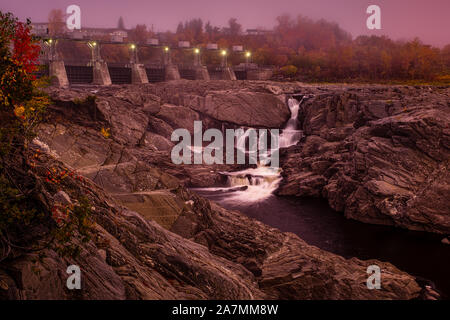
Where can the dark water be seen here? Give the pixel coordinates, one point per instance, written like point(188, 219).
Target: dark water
point(418, 253)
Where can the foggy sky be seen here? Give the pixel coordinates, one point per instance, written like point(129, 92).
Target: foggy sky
point(401, 19)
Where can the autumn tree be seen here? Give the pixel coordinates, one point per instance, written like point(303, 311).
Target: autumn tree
point(180, 28)
point(21, 105)
point(191, 30)
point(235, 28)
point(120, 24)
point(139, 34)
point(319, 49)
point(28, 222)
point(212, 32)
point(56, 22)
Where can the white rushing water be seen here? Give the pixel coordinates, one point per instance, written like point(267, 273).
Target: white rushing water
point(257, 184)
point(290, 135)
point(250, 185)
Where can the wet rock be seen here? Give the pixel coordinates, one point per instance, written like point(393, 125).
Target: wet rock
point(391, 168)
point(208, 252)
point(378, 153)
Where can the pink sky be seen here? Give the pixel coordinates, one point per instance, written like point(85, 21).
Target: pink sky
point(401, 19)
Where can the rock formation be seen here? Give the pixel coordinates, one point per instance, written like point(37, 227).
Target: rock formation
point(218, 255)
point(380, 154)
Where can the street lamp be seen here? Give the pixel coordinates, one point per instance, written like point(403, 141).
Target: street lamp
point(248, 54)
point(196, 56)
point(95, 50)
point(134, 54)
point(224, 58)
point(166, 56)
point(52, 49)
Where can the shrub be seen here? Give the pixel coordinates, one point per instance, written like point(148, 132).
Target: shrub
point(289, 71)
point(24, 215)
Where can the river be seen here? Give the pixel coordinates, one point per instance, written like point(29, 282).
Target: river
point(251, 192)
point(418, 253)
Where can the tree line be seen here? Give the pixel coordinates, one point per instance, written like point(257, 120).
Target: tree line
point(322, 51)
point(302, 48)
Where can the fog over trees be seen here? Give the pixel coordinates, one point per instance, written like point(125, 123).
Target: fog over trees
point(321, 50)
point(313, 50)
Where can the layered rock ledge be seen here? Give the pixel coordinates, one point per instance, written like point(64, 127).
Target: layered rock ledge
point(219, 254)
point(379, 154)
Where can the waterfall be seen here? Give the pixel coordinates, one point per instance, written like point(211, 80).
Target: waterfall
point(257, 184)
point(253, 177)
point(260, 183)
point(290, 135)
point(247, 186)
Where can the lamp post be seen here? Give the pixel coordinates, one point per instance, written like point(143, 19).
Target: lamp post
point(248, 55)
point(52, 54)
point(196, 57)
point(224, 53)
point(95, 50)
point(133, 54)
point(166, 55)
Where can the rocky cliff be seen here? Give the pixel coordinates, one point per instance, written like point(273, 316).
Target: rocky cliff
point(379, 154)
point(154, 239)
point(226, 256)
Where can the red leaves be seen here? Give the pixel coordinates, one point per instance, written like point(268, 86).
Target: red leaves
point(60, 214)
point(57, 177)
point(26, 51)
point(20, 53)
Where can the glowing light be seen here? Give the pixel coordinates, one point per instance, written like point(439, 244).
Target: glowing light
point(197, 50)
point(50, 41)
point(92, 44)
point(224, 52)
point(248, 54)
point(166, 49)
point(133, 46)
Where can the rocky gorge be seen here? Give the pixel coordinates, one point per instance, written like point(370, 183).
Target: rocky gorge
point(379, 154)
